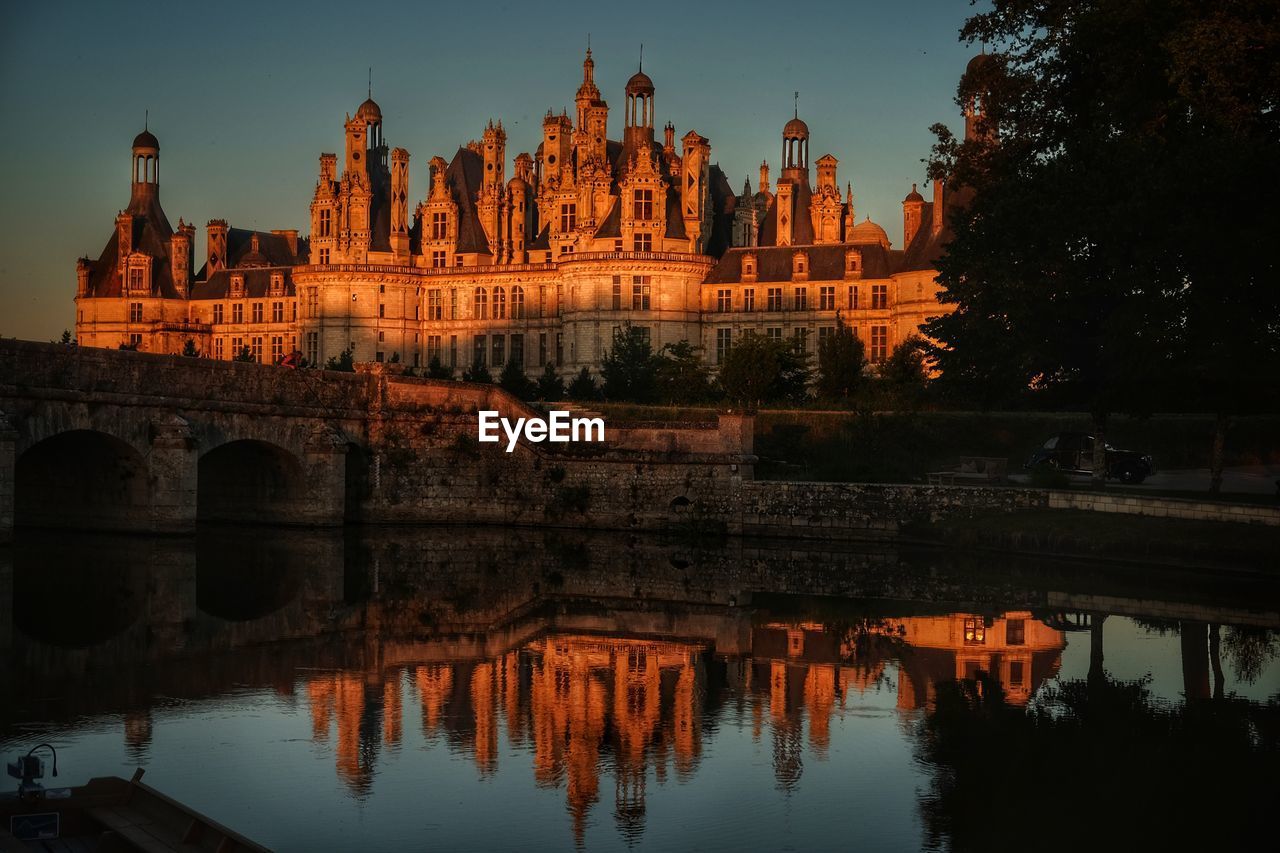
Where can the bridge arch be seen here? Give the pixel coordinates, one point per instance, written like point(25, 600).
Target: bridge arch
point(82, 478)
point(249, 480)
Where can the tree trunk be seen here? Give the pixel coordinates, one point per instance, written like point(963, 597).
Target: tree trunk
point(1097, 675)
point(1215, 657)
point(1195, 660)
point(1220, 427)
point(1099, 449)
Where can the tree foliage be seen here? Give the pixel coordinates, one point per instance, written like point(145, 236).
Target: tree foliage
point(841, 359)
point(343, 362)
point(477, 372)
point(1101, 257)
point(583, 387)
point(550, 386)
point(189, 348)
point(513, 380)
point(681, 377)
point(437, 370)
point(629, 368)
point(760, 369)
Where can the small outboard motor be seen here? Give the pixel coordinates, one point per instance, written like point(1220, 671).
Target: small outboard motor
point(28, 768)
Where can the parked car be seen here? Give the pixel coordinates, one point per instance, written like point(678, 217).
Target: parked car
point(1072, 453)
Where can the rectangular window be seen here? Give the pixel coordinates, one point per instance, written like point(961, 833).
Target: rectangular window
point(975, 631)
point(453, 303)
point(324, 256)
point(775, 299)
point(542, 348)
point(827, 298)
point(218, 347)
point(277, 348)
point(435, 310)
point(438, 259)
point(237, 312)
point(879, 343)
point(277, 312)
point(313, 347)
point(642, 242)
point(748, 299)
point(135, 312)
point(640, 293)
point(617, 293)
point(257, 312)
point(382, 336)
point(453, 350)
point(1017, 673)
point(879, 296)
point(643, 207)
point(326, 222)
point(378, 356)
point(499, 350)
point(433, 347)
point(135, 340)
point(517, 350)
point(295, 311)
point(257, 348)
point(724, 300)
point(853, 296)
point(559, 348)
point(217, 313)
point(312, 308)
point(439, 227)
point(773, 333)
point(801, 300)
point(480, 353)
point(382, 311)
point(135, 279)
point(802, 341)
point(237, 347)
point(825, 332)
point(724, 342)
point(1015, 632)
point(568, 218)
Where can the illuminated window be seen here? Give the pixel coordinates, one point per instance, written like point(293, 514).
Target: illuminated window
point(975, 631)
point(724, 342)
point(879, 343)
point(640, 293)
point(643, 207)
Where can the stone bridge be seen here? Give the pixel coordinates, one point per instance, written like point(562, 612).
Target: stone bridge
point(116, 440)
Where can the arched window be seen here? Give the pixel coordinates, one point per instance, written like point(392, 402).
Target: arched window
point(517, 303)
point(499, 303)
point(480, 309)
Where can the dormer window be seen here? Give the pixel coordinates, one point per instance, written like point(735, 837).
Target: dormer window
point(237, 285)
point(800, 266)
point(277, 283)
point(749, 266)
point(853, 264)
point(439, 226)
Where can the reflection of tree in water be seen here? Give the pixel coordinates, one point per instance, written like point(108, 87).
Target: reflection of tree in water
point(1098, 752)
point(1249, 650)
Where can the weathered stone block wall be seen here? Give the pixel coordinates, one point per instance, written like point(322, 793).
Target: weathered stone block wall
point(1166, 507)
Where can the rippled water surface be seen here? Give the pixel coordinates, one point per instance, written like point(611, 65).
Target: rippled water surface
point(492, 690)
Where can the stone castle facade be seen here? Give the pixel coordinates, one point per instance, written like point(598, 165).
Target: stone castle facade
point(588, 234)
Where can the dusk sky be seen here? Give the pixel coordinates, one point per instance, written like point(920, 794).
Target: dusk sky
point(245, 96)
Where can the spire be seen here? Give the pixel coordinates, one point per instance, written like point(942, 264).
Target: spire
point(146, 119)
point(371, 82)
point(641, 68)
point(796, 113)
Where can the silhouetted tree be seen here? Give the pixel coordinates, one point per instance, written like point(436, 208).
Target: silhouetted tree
point(437, 370)
point(681, 377)
point(841, 359)
point(629, 368)
point(513, 380)
point(477, 372)
point(344, 361)
point(550, 385)
point(189, 348)
point(760, 369)
point(583, 387)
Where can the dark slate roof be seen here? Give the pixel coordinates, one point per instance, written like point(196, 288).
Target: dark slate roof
point(257, 283)
point(801, 226)
point(926, 247)
point(465, 176)
point(151, 233)
point(826, 263)
point(612, 224)
point(273, 249)
point(723, 202)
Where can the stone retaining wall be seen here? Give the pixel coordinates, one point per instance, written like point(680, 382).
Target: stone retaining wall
point(1166, 507)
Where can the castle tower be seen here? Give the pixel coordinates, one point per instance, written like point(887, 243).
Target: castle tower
point(216, 240)
point(825, 205)
point(557, 141)
point(912, 213)
point(590, 138)
point(694, 190)
point(976, 124)
point(146, 171)
point(400, 205)
point(639, 112)
point(795, 149)
point(180, 245)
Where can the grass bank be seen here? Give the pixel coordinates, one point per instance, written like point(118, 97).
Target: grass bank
point(900, 447)
point(1109, 536)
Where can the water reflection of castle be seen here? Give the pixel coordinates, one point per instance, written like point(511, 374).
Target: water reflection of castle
point(586, 705)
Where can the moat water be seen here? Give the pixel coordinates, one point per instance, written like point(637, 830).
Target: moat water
point(464, 689)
